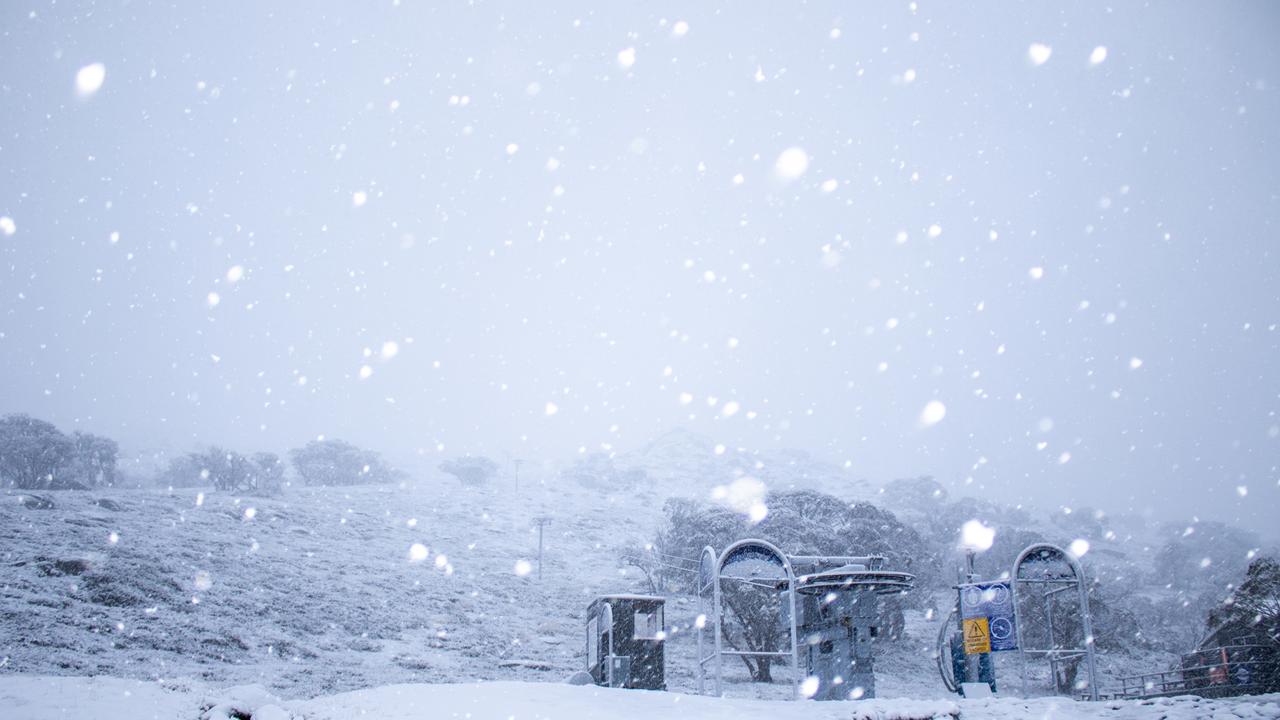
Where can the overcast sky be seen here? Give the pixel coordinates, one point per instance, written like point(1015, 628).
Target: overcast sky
point(522, 229)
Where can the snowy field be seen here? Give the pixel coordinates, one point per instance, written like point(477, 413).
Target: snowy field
point(50, 698)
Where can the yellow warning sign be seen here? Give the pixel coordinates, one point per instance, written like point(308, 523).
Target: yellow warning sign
point(977, 636)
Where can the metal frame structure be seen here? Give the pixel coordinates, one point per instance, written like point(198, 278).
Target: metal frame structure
point(942, 654)
point(818, 578)
point(707, 585)
point(710, 574)
point(1045, 552)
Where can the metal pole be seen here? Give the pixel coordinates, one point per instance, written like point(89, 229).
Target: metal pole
point(1053, 646)
point(701, 670)
point(795, 649)
point(1017, 626)
point(517, 462)
point(719, 654)
point(541, 520)
point(1087, 624)
point(973, 663)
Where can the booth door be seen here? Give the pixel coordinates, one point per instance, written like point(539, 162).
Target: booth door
point(593, 645)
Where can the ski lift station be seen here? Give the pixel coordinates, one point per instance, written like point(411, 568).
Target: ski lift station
point(1045, 582)
point(837, 611)
point(828, 608)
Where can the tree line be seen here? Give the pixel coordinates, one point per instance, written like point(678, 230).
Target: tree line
point(36, 455)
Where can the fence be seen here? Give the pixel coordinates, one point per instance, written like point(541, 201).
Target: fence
point(1216, 672)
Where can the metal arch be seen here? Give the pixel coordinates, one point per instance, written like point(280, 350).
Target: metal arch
point(944, 651)
point(785, 562)
point(707, 583)
point(1086, 623)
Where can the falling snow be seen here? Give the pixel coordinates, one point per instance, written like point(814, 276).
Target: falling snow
point(90, 78)
point(374, 345)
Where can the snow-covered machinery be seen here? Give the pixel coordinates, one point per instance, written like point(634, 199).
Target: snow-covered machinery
point(837, 618)
point(625, 635)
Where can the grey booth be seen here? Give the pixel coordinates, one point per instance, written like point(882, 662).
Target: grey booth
point(625, 636)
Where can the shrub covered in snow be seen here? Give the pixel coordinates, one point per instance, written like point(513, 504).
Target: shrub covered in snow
point(470, 469)
point(226, 470)
point(599, 471)
point(336, 462)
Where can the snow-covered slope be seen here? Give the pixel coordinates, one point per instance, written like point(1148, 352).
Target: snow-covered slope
point(316, 591)
point(324, 590)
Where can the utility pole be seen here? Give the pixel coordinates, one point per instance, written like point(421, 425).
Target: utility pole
point(517, 462)
point(542, 521)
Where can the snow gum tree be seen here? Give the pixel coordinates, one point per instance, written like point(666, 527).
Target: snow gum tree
point(32, 452)
point(1254, 608)
point(93, 460)
point(470, 469)
point(226, 470)
point(336, 462)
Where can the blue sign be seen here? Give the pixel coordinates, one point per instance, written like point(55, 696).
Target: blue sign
point(993, 601)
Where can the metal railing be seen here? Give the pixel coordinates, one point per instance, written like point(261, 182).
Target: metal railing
point(1215, 672)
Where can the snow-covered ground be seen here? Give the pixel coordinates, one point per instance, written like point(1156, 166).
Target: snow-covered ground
point(318, 591)
point(374, 589)
point(50, 698)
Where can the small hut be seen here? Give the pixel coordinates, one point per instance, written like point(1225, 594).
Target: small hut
point(625, 635)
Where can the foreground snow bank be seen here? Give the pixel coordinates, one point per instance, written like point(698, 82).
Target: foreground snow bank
point(531, 700)
point(45, 698)
point(31, 697)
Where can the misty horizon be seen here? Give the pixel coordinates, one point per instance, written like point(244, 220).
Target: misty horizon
point(1026, 253)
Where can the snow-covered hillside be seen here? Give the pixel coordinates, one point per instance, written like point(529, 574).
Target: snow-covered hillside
point(317, 591)
point(323, 590)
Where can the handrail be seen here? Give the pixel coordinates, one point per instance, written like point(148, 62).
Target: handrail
point(1200, 677)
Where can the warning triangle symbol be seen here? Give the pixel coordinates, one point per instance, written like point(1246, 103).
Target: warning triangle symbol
point(975, 632)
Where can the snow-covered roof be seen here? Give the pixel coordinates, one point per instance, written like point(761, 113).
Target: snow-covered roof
point(626, 596)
